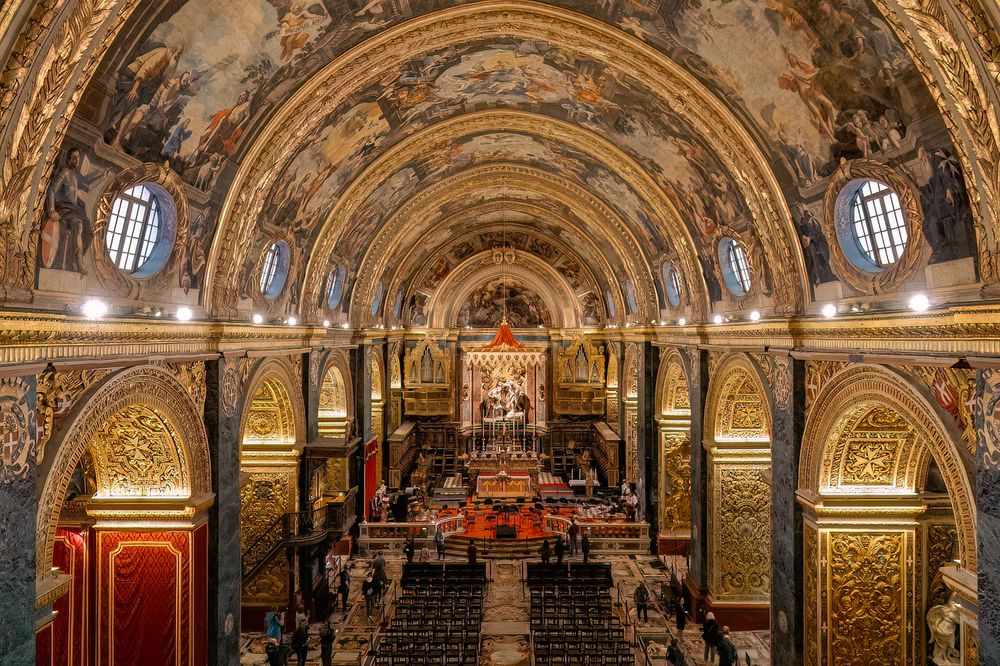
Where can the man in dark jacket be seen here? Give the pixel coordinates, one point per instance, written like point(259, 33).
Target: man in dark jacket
point(370, 593)
point(300, 643)
point(409, 549)
point(546, 552)
point(344, 589)
point(681, 618)
point(574, 532)
point(585, 547)
point(728, 655)
point(326, 644)
point(641, 597)
point(711, 635)
point(471, 552)
point(560, 549)
point(674, 655)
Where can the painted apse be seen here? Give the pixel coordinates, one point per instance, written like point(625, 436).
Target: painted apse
point(829, 83)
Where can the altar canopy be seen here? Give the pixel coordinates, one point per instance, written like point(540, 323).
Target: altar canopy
point(504, 396)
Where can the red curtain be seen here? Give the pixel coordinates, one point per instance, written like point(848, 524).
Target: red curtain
point(371, 471)
point(65, 641)
point(146, 605)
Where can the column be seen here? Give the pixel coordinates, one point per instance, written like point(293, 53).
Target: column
point(696, 365)
point(222, 424)
point(787, 421)
point(649, 465)
point(987, 516)
point(18, 506)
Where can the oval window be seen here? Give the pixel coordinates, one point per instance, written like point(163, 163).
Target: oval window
point(274, 270)
point(140, 232)
point(735, 266)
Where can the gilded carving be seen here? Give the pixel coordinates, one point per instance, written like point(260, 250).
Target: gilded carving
point(265, 497)
point(139, 453)
point(57, 393)
point(335, 475)
point(811, 599)
point(867, 588)
point(741, 411)
point(942, 549)
point(674, 395)
point(954, 389)
point(675, 482)
point(741, 533)
point(817, 374)
point(18, 443)
point(192, 377)
point(875, 447)
point(988, 418)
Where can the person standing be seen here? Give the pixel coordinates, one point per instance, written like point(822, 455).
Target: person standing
point(326, 644)
point(425, 554)
point(301, 616)
point(674, 655)
point(273, 622)
point(574, 533)
point(273, 652)
point(439, 543)
point(409, 549)
point(560, 549)
point(369, 592)
point(585, 547)
point(681, 618)
point(344, 589)
point(300, 643)
point(471, 553)
point(546, 552)
point(728, 654)
point(710, 634)
point(379, 564)
point(641, 598)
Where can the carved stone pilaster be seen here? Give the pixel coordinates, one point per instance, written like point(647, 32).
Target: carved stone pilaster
point(988, 507)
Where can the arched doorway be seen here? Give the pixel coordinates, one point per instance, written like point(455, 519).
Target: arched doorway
point(270, 428)
point(738, 441)
point(673, 427)
point(889, 523)
point(122, 539)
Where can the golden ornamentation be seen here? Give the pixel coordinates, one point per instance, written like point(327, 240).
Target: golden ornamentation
point(675, 482)
point(147, 387)
point(192, 377)
point(867, 588)
point(817, 374)
point(335, 475)
point(630, 377)
point(875, 447)
point(18, 440)
point(265, 497)
point(810, 594)
point(275, 412)
point(740, 569)
point(426, 363)
point(138, 453)
point(971, 645)
point(369, 63)
point(917, 249)
point(673, 387)
point(740, 409)
point(988, 410)
point(954, 389)
point(942, 549)
point(57, 393)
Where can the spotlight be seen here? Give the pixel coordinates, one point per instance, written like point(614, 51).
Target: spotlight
point(292, 321)
point(326, 323)
point(346, 324)
point(755, 315)
point(682, 321)
point(94, 309)
point(919, 303)
point(829, 310)
point(183, 314)
point(257, 318)
point(717, 319)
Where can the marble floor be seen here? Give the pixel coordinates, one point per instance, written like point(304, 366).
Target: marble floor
point(505, 631)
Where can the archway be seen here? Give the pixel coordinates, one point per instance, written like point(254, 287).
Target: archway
point(122, 539)
point(738, 441)
point(270, 429)
point(673, 427)
point(889, 524)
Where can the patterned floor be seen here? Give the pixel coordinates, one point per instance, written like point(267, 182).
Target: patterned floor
point(506, 619)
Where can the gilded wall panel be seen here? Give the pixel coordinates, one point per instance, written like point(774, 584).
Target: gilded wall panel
point(57, 393)
point(741, 412)
point(942, 549)
point(811, 601)
point(741, 532)
point(675, 481)
point(265, 496)
point(335, 475)
point(139, 453)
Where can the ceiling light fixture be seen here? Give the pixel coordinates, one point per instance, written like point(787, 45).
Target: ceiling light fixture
point(292, 321)
point(682, 321)
point(919, 303)
point(183, 314)
point(717, 319)
point(829, 310)
point(94, 309)
point(755, 315)
point(257, 318)
point(326, 323)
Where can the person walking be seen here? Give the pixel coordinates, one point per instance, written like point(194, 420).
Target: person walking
point(674, 655)
point(471, 553)
point(574, 533)
point(369, 592)
point(546, 552)
point(681, 617)
point(641, 598)
point(273, 652)
point(379, 564)
point(560, 549)
point(728, 654)
point(326, 644)
point(300, 643)
point(711, 635)
point(585, 547)
point(273, 622)
point(344, 589)
point(439, 543)
point(409, 549)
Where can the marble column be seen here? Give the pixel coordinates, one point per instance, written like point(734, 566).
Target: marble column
point(222, 425)
point(988, 510)
point(696, 367)
point(787, 421)
point(18, 507)
point(649, 467)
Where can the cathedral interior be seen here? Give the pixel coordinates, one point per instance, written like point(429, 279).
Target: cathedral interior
point(621, 313)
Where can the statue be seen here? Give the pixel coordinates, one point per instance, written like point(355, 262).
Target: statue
point(942, 621)
point(626, 490)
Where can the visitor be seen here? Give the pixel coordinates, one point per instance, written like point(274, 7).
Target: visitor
point(681, 618)
point(301, 616)
point(273, 622)
point(560, 549)
point(369, 592)
point(471, 552)
point(585, 547)
point(728, 654)
point(425, 554)
point(439, 543)
point(710, 634)
point(300, 643)
point(379, 564)
point(546, 552)
point(344, 589)
point(273, 652)
point(674, 655)
point(641, 597)
point(326, 644)
point(574, 533)
point(408, 549)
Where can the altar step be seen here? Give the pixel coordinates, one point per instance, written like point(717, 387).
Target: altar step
point(496, 549)
point(553, 486)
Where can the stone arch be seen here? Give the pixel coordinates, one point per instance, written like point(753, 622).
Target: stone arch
point(737, 406)
point(177, 463)
point(273, 411)
point(335, 408)
point(672, 394)
point(849, 396)
point(673, 429)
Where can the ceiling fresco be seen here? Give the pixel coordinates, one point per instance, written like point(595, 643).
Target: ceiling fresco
point(813, 82)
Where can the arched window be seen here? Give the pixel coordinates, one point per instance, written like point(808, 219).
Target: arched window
point(878, 224)
point(672, 283)
point(135, 238)
point(377, 301)
point(735, 266)
point(336, 292)
point(274, 270)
